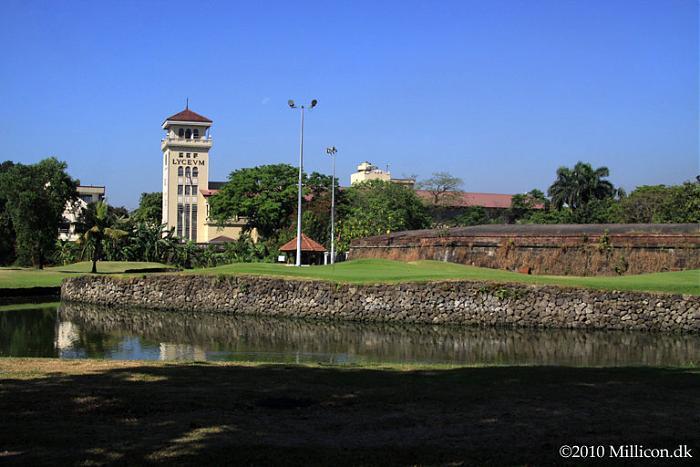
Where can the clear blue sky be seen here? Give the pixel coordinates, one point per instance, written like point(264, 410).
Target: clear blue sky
point(499, 92)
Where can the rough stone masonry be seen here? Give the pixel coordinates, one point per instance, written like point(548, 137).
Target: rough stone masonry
point(453, 302)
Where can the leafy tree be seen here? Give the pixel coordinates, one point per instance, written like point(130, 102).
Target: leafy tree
point(96, 226)
point(149, 242)
point(66, 252)
point(150, 208)
point(441, 186)
point(683, 205)
point(522, 205)
point(576, 187)
point(473, 215)
point(7, 232)
point(265, 195)
point(36, 196)
point(380, 207)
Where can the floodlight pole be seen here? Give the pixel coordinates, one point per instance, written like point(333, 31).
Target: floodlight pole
point(299, 188)
point(292, 105)
point(331, 151)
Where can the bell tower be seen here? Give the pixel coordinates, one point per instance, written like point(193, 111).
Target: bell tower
point(185, 149)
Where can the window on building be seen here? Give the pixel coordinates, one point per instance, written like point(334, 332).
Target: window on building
point(195, 172)
point(179, 220)
point(187, 189)
point(188, 134)
point(194, 222)
point(188, 172)
point(194, 189)
point(195, 133)
point(180, 170)
point(179, 189)
point(187, 221)
point(181, 132)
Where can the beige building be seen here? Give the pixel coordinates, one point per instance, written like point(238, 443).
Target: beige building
point(368, 171)
point(86, 194)
point(186, 186)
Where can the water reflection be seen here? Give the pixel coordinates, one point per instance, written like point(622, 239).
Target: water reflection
point(86, 331)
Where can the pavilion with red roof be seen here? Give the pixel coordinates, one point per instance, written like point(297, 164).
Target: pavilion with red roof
point(311, 251)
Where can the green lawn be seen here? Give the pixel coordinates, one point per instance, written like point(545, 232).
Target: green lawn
point(52, 277)
point(372, 271)
point(375, 270)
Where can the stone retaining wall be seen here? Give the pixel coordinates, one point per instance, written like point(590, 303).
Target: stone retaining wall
point(453, 302)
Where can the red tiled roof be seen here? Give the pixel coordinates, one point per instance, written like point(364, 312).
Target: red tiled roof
point(463, 199)
point(208, 193)
point(188, 116)
point(307, 244)
point(221, 239)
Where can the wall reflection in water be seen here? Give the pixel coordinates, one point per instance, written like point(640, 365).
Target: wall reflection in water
point(86, 331)
point(129, 333)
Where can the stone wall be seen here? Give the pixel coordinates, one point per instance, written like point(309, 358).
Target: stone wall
point(448, 302)
point(581, 250)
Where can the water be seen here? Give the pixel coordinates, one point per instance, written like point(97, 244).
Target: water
point(85, 331)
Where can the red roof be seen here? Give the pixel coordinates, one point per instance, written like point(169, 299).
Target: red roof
point(221, 239)
point(188, 116)
point(463, 199)
point(307, 244)
point(207, 193)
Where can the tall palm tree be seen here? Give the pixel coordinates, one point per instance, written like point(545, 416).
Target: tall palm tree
point(97, 225)
point(576, 187)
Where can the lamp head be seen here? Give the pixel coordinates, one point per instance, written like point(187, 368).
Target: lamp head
point(291, 104)
point(331, 150)
point(314, 103)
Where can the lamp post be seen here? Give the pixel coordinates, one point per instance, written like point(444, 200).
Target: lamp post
point(292, 105)
point(331, 151)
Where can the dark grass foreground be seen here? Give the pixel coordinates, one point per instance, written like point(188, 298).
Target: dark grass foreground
point(94, 412)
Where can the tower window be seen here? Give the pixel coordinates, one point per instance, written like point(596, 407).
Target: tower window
point(194, 222)
point(188, 134)
point(195, 133)
point(179, 189)
point(187, 172)
point(179, 171)
point(181, 132)
point(187, 189)
point(195, 172)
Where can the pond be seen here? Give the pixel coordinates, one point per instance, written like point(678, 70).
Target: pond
point(86, 331)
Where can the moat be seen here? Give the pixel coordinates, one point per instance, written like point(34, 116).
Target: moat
point(85, 331)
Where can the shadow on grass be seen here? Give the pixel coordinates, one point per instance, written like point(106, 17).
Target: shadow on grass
point(57, 412)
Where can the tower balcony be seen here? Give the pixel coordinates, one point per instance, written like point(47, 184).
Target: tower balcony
point(186, 143)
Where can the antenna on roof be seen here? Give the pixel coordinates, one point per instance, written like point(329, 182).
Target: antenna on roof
point(187, 103)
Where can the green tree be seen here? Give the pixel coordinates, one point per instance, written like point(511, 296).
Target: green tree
point(96, 226)
point(578, 186)
point(442, 186)
point(150, 208)
point(7, 231)
point(473, 215)
point(378, 208)
point(36, 196)
point(265, 196)
point(523, 205)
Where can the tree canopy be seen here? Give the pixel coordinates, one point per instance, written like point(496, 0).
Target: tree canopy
point(379, 207)
point(441, 186)
point(36, 196)
point(578, 186)
point(150, 208)
point(265, 196)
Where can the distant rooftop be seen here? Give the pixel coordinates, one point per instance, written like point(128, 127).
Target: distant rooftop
point(188, 116)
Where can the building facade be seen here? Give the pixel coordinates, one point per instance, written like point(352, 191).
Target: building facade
point(186, 186)
point(86, 194)
point(368, 171)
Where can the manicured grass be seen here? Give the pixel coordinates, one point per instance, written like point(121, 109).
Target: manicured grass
point(52, 277)
point(88, 412)
point(373, 271)
point(376, 270)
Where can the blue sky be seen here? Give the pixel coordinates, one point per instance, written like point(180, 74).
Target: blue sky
point(499, 92)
